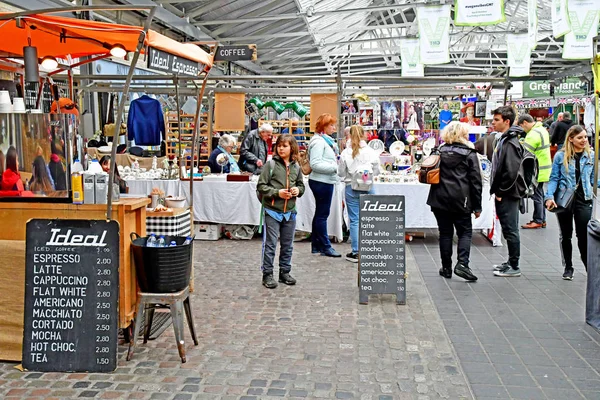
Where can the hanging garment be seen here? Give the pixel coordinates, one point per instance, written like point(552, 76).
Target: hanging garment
point(589, 118)
point(145, 122)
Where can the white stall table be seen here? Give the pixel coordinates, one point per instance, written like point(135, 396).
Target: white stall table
point(418, 213)
point(236, 202)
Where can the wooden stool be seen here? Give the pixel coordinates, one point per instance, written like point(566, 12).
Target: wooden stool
point(176, 302)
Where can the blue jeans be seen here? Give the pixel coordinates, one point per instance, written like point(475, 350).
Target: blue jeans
point(323, 193)
point(353, 207)
point(272, 232)
point(507, 211)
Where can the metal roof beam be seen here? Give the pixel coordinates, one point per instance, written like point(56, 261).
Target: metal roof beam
point(268, 6)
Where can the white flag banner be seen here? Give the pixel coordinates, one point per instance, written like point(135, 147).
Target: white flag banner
point(560, 18)
point(583, 15)
point(434, 38)
point(409, 55)
point(478, 12)
point(532, 23)
point(518, 54)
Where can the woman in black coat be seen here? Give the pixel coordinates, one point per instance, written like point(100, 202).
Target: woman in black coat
point(456, 197)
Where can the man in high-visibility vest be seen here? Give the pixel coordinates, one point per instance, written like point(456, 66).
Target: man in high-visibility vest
point(537, 141)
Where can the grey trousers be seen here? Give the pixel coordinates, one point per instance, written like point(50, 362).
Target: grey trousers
point(272, 232)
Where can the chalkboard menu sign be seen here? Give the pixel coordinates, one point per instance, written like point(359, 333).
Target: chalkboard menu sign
point(71, 295)
point(382, 261)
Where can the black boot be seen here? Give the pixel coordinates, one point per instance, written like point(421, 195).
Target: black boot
point(464, 272)
point(446, 272)
point(285, 277)
point(268, 281)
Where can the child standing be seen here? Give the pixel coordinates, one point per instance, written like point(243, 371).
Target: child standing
point(279, 184)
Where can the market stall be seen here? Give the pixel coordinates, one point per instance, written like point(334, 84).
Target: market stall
point(53, 137)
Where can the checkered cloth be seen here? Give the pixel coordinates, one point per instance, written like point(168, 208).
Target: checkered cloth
point(179, 225)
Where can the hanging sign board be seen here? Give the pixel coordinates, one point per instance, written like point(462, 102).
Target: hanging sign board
point(579, 42)
point(560, 18)
point(382, 260)
point(159, 60)
point(518, 54)
point(434, 37)
point(71, 295)
point(478, 12)
point(410, 53)
point(236, 53)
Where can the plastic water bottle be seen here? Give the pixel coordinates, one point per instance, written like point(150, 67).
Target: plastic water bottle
point(161, 241)
point(76, 166)
point(173, 243)
point(94, 167)
point(188, 240)
point(151, 242)
point(154, 162)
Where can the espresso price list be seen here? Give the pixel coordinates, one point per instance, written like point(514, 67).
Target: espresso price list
point(71, 295)
point(381, 247)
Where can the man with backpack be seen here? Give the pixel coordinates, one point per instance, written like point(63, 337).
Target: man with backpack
point(507, 185)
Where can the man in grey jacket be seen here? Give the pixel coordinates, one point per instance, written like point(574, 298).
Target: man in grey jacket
point(254, 149)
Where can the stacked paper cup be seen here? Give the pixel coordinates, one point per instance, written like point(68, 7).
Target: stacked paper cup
point(18, 105)
point(5, 104)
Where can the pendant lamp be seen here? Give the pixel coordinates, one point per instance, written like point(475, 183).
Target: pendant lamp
point(30, 58)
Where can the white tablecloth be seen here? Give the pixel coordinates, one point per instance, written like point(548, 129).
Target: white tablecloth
point(236, 202)
point(418, 213)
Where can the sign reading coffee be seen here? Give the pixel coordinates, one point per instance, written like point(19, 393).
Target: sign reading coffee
point(236, 53)
point(71, 295)
point(162, 61)
point(382, 260)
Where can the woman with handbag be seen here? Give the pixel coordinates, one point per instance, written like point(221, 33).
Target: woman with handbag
point(358, 164)
point(456, 197)
point(569, 194)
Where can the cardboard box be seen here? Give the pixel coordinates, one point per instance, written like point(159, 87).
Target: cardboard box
point(89, 188)
point(207, 231)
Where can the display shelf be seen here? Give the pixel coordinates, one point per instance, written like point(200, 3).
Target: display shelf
point(179, 134)
point(280, 125)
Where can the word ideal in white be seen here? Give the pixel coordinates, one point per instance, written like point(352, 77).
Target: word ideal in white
point(75, 240)
point(369, 206)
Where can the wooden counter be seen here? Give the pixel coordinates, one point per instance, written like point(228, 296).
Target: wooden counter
point(130, 213)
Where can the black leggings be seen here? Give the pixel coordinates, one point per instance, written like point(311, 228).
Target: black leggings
point(581, 212)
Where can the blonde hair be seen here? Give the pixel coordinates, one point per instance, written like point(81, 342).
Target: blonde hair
point(456, 132)
point(357, 133)
point(568, 147)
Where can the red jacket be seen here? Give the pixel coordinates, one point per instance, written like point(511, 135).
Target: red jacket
point(12, 181)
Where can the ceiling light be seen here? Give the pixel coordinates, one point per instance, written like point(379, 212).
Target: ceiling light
point(118, 50)
point(49, 63)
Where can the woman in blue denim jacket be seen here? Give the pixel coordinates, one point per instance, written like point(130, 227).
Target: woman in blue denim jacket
point(573, 167)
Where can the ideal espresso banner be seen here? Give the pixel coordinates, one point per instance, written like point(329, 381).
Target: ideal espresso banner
point(159, 60)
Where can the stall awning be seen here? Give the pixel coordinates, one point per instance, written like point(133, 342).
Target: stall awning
point(62, 37)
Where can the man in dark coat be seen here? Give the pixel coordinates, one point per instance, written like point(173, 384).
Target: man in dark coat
point(254, 149)
point(560, 130)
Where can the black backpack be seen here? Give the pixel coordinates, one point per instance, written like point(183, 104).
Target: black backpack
point(526, 180)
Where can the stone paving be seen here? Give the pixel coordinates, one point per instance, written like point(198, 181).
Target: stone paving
point(309, 341)
point(518, 338)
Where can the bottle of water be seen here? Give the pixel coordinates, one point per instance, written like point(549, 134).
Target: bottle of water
point(76, 166)
point(161, 241)
point(188, 240)
point(151, 242)
point(154, 162)
point(173, 243)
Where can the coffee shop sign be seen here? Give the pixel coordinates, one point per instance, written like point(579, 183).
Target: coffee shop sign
point(163, 61)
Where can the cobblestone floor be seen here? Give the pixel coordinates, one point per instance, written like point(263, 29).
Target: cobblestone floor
point(309, 341)
point(518, 338)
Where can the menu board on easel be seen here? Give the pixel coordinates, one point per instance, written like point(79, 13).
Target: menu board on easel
point(71, 296)
point(321, 103)
point(382, 260)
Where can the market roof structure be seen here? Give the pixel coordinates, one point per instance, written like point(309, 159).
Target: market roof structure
point(360, 37)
